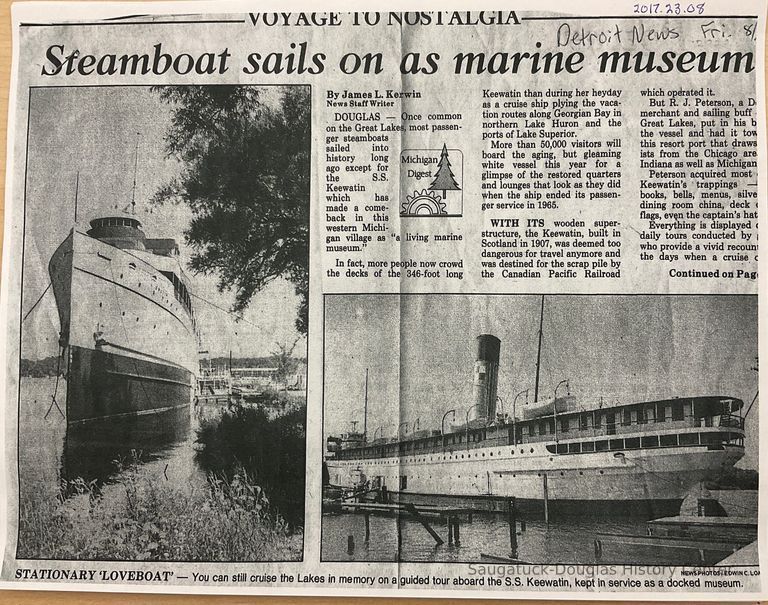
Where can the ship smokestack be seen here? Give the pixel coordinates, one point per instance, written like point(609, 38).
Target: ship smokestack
point(486, 376)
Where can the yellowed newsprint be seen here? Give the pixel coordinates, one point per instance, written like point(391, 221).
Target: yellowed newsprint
point(426, 299)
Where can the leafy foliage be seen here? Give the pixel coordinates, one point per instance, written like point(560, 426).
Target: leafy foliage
point(271, 450)
point(246, 179)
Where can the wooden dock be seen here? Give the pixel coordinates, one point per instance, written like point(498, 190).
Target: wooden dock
point(213, 399)
point(671, 542)
point(735, 529)
point(423, 509)
point(451, 516)
point(703, 534)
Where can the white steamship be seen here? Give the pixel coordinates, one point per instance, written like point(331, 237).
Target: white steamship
point(650, 452)
point(128, 336)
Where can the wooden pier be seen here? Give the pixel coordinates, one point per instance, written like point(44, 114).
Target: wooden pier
point(213, 399)
point(735, 529)
point(450, 516)
point(703, 534)
point(425, 514)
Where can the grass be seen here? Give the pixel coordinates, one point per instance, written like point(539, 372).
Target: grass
point(143, 518)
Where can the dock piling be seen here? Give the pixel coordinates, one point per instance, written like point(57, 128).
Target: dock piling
point(512, 521)
point(367, 527)
point(350, 544)
point(399, 536)
point(546, 500)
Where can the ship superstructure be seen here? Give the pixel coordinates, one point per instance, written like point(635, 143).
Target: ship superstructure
point(552, 449)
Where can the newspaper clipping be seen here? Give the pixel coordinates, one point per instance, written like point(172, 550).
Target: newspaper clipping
point(415, 301)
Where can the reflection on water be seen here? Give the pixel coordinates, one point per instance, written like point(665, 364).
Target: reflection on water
point(91, 449)
point(51, 452)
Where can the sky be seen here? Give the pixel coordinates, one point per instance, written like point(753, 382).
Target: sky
point(94, 131)
point(420, 352)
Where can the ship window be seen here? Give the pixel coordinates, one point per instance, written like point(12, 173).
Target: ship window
point(601, 446)
point(598, 421)
point(551, 449)
point(668, 440)
point(689, 439)
point(632, 443)
point(588, 446)
point(616, 444)
point(552, 425)
point(132, 265)
point(562, 448)
point(403, 482)
point(649, 414)
point(574, 448)
point(677, 411)
point(687, 409)
point(584, 422)
point(710, 438)
point(627, 418)
point(542, 428)
point(565, 425)
point(652, 441)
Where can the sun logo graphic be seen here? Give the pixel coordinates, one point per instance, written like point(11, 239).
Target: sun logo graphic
point(430, 182)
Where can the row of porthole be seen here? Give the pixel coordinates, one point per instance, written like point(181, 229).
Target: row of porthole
point(450, 457)
point(165, 299)
point(562, 474)
point(154, 327)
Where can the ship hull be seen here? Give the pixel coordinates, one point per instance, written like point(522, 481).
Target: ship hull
point(631, 479)
point(129, 347)
point(104, 385)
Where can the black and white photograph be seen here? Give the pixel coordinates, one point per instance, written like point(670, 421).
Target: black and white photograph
point(543, 429)
point(162, 403)
point(379, 302)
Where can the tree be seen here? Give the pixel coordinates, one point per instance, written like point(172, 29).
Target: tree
point(444, 179)
point(282, 357)
point(245, 177)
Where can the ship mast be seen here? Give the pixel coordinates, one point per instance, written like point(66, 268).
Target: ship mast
point(365, 409)
point(77, 191)
point(135, 168)
point(538, 353)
